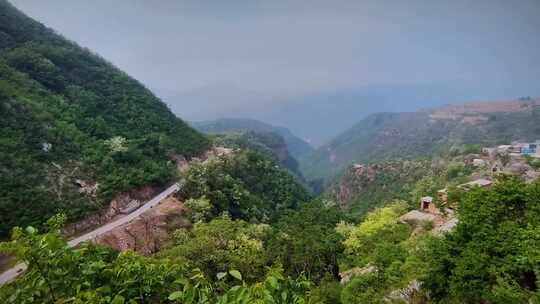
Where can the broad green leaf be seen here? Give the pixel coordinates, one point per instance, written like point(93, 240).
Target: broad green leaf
point(118, 299)
point(221, 275)
point(272, 281)
point(31, 230)
point(175, 295)
point(236, 274)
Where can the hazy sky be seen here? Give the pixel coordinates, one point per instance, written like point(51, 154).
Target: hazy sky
point(263, 52)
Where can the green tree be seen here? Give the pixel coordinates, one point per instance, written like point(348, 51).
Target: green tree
point(246, 185)
point(222, 244)
point(493, 254)
point(96, 275)
point(305, 241)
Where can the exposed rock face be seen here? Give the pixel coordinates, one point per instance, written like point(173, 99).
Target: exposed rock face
point(519, 168)
point(181, 162)
point(354, 181)
point(348, 275)
point(217, 152)
point(447, 226)
point(88, 188)
point(532, 176)
point(406, 294)
point(380, 181)
point(466, 112)
point(120, 203)
point(416, 217)
point(149, 232)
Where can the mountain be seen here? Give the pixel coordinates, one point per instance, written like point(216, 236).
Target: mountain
point(296, 146)
point(409, 135)
point(316, 116)
point(362, 187)
point(75, 131)
point(320, 116)
point(270, 144)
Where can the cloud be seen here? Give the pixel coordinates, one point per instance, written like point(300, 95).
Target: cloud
point(275, 50)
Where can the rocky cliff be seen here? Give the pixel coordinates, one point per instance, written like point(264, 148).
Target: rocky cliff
point(151, 231)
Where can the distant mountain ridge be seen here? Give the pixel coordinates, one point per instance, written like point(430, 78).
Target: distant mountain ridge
point(298, 147)
point(315, 116)
point(409, 135)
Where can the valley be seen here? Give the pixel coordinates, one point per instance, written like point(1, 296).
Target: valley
point(107, 196)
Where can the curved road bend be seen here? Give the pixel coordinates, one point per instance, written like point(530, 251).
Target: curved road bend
point(12, 273)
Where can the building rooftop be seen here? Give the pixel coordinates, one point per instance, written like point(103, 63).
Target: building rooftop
point(479, 182)
point(427, 199)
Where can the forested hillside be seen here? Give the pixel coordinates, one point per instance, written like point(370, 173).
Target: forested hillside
point(69, 118)
point(297, 146)
point(385, 136)
point(270, 144)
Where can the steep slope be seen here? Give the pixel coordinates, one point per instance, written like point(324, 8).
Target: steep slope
point(75, 130)
point(363, 187)
point(385, 136)
point(269, 144)
point(297, 146)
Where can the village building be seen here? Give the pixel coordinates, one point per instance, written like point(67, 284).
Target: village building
point(516, 150)
point(526, 148)
point(504, 148)
point(427, 205)
point(515, 155)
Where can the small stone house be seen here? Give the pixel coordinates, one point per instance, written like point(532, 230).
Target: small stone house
point(427, 205)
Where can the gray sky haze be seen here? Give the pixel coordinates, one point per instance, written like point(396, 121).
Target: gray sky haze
point(215, 58)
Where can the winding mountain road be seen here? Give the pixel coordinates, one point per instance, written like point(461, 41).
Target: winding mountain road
point(12, 273)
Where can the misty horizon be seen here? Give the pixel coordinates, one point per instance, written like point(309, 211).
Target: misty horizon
point(273, 61)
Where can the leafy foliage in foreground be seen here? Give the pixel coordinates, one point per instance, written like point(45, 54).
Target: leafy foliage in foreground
point(492, 256)
point(61, 106)
point(381, 255)
point(222, 244)
point(90, 274)
point(303, 241)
